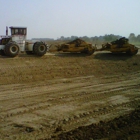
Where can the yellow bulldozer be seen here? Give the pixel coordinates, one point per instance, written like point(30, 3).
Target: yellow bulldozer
point(77, 45)
point(119, 46)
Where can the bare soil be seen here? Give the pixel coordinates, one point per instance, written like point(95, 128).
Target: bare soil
point(70, 96)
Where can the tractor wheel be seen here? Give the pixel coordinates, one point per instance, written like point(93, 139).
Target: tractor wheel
point(29, 52)
point(11, 49)
point(2, 53)
point(39, 48)
point(90, 52)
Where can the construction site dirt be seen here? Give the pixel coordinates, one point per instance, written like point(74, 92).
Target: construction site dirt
point(70, 96)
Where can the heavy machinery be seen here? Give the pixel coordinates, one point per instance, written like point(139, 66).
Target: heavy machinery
point(119, 46)
point(77, 45)
point(12, 45)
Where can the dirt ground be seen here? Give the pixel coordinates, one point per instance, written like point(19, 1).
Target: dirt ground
point(69, 96)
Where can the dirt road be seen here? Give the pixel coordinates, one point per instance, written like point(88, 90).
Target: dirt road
point(41, 98)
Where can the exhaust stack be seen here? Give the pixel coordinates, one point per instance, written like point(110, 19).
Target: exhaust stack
point(6, 31)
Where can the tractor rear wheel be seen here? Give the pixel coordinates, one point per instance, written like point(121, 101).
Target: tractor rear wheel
point(39, 48)
point(11, 49)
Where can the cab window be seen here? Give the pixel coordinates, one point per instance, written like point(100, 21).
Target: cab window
point(12, 31)
point(20, 31)
point(24, 31)
point(16, 31)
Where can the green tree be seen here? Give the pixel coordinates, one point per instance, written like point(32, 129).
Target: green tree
point(138, 38)
point(110, 37)
point(132, 37)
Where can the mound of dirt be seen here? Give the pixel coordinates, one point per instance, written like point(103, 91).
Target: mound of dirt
point(121, 128)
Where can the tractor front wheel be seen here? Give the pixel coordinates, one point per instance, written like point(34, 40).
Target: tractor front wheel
point(39, 48)
point(11, 49)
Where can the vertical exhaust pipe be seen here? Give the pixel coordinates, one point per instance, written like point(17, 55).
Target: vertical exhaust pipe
point(6, 31)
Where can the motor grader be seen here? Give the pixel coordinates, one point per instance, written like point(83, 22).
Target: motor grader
point(12, 45)
point(77, 45)
point(119, 46)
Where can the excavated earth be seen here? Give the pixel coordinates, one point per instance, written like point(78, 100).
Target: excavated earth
point(67, 96)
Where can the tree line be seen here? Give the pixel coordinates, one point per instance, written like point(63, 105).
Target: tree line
point(102, 39)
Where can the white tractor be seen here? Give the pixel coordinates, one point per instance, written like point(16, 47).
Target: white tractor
point(16, 43)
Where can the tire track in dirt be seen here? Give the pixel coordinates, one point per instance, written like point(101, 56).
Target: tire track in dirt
point(82, 119)
point(77, 97)
point(85, 113)
point(72, 95)
point(80, 96)
point(25, 88)
point(94, 115)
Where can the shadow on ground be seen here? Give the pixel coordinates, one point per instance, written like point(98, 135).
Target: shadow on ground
point(114, 57)
point(71, 54)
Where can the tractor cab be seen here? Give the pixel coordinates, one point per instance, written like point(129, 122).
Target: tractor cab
point(18, 35)
point(18, 30)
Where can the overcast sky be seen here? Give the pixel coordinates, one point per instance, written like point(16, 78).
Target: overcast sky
point(56, 18)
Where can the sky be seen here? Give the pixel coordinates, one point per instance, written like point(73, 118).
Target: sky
point(56, 18)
